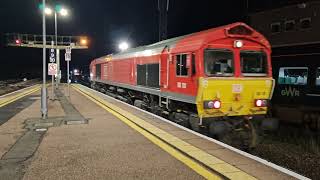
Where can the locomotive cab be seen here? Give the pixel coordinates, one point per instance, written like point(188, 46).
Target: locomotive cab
point(235, 83)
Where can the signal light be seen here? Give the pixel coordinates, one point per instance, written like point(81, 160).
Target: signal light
point(18, 41)
point(261, 103)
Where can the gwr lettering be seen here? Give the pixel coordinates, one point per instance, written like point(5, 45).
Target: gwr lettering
point(290, 92)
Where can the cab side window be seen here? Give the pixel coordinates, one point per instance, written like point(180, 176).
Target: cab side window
point(181, 65)
point(293, 75)
point(318, 77)
point(193, 64)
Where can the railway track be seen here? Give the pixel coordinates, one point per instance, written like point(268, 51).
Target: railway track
point(9, 86)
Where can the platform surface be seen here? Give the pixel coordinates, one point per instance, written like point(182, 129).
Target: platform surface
point(85, 138)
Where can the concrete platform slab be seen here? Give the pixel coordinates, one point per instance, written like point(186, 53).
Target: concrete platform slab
point(105, 148)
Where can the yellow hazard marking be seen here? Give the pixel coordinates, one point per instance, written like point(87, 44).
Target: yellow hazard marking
point(176, 147)
point(13, 97)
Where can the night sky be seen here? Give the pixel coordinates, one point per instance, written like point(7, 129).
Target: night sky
point(107, 22)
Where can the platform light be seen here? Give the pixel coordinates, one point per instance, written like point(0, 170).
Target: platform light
point(123, 46)
point(238, 44)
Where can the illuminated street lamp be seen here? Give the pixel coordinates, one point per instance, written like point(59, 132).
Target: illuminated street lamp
point(63, 12)
point(83, 41)
point(123, 46)
point(48, 11)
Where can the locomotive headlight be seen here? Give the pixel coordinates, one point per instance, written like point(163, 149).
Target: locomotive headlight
point(216, 104)
point(261, 102)
point(238, 44)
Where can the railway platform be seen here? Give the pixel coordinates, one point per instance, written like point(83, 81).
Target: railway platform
point(89, 135)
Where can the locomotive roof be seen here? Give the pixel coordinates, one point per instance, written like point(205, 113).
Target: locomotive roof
point(191, 41)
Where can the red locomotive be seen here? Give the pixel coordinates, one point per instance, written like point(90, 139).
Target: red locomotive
point(215, 80)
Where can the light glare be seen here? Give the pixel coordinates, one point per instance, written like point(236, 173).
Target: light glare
point(238, 44)
point(47, 11)
point(64, 12)
point(259, 103)
point(83, 41)
point(123, 46)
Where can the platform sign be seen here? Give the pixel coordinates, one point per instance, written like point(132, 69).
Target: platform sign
point(52, 56)
point(67, 56)
point(52, 69)
point(68, 49)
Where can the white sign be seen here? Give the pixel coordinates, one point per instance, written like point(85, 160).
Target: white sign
point(52, 58)
point(52, 69)
point(237, 88)
point(67, 56)
point(68, 49)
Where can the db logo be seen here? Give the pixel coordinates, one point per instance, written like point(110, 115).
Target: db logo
point(290, 92)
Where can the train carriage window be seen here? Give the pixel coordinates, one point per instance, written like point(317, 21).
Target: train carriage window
point(218, 62)
point(289, 25)
point(293, 75)
point(253, 63)
point(275, 27)
point(318, 77)
point(181, 65)
point(305, 23)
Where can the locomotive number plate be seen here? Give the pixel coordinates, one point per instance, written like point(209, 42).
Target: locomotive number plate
point(237, 88)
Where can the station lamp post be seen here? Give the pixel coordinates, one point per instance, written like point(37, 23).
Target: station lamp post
point(63, 12)
point(44, 109)
point(123, 46)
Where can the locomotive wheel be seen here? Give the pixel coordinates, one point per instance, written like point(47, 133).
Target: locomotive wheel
point(194, 123)
point(244, 136)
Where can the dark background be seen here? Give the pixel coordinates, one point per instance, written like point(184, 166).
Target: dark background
point(107, 22)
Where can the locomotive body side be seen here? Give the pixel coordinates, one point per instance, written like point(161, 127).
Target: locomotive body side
point(214, 80)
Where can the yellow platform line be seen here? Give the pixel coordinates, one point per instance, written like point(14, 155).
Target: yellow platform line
point(7, 100)
point(162, 139)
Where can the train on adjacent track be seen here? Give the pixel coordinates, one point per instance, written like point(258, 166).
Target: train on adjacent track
point(217, 81)
point(296, 99)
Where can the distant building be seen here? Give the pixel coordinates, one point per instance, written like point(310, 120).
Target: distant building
point(294, 34)
point(291, 25)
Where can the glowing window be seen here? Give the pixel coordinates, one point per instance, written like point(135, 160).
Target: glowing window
point(293, 75)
